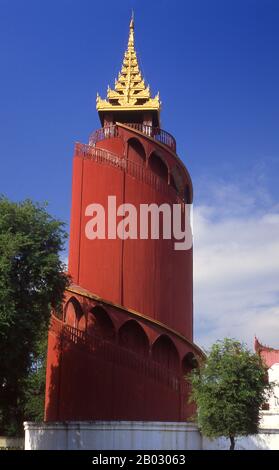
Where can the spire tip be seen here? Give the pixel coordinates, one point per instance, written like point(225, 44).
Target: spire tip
point(132, 22)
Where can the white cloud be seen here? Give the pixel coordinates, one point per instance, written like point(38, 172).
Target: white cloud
point(236, 267)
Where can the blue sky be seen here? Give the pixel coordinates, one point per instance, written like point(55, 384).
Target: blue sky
point(216, 65)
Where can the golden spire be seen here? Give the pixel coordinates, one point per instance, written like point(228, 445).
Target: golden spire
point(130, 91)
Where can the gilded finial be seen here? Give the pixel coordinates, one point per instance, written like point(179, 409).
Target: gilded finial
point(131, 33)
point(132, 22)
point(130, 91)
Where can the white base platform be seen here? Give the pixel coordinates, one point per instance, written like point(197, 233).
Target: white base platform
point(265, 440)
point(111, 435)
point(141, 435)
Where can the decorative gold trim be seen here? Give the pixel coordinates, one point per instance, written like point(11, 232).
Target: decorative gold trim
point(130, 91)
point(89, 295)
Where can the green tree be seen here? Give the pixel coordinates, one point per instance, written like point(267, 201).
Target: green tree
point(32, 281)
point(34, 386)
point(229, 389)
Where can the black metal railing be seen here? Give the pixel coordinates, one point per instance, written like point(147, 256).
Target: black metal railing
point(155, 133)
point(136, 170)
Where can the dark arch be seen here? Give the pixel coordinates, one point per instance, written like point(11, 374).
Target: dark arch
point(73, 312)
point(176, 179)
point(187, 194)
point(136, 152)
point(81, 324)
point(189, 362)
point(100, 324)
point(173, 183)
point(158, 166)
point(165, 352)
point(133, 337)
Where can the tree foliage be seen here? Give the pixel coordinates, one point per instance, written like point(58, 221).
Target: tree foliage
point(34, 386)
point(229, 389)
point(32, 281)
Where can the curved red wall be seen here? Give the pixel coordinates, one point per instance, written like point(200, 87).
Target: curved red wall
point(148, 276)
point(126, 360)
point(132, 370)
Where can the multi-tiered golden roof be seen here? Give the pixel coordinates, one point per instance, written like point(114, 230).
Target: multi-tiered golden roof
point(130, 92)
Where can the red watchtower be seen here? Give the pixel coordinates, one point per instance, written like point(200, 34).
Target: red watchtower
point(125, 340)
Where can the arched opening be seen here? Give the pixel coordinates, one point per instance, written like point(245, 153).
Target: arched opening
point(136, 152)
point(173, 183)
point(73, 313)
point(176, 179)
point(165, 352)
point(189, 362)
point(158, 166)
point(100, 324)
point(187, 194)
point(132, 336)
point(81, 324)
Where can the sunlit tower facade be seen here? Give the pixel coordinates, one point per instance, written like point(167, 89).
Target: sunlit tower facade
point(124, 342)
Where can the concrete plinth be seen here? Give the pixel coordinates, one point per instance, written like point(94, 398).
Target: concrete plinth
point(111, 435)
point(142, 435)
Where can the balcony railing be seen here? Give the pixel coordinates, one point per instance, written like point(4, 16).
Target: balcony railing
point(156, 133)
point(107, 132)
point(111, 351)
point(99, 155)
point(140, 172)
point(104, 351)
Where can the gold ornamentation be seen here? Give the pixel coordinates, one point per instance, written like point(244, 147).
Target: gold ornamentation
point(130, 91)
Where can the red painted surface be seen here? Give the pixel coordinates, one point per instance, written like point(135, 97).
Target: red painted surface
point(125, 340)
point(269, 355)
point(116, 269)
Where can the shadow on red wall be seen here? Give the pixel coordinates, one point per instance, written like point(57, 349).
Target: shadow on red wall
point(103, 376)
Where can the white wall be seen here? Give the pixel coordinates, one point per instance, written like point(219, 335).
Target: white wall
point(261, 441)
point(268, 437)
point(273, 376)
point(140, 435)
point(111, 435)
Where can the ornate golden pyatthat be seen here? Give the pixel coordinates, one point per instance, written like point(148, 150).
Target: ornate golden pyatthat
point(130, 91)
